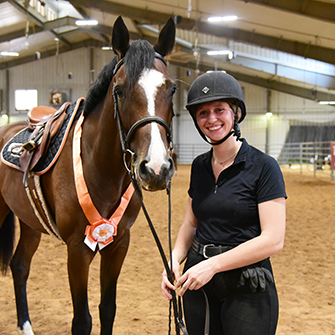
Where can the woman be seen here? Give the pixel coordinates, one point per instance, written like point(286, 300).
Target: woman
point(235, 220)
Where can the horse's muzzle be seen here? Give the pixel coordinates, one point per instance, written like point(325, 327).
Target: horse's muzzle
point(152, 181)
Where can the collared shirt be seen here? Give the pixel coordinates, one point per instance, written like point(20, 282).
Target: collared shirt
point(227, 210)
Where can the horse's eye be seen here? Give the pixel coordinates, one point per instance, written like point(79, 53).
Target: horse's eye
point(118, 91)
point(173, 90)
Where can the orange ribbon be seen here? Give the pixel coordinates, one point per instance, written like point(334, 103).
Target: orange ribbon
point(101, 230)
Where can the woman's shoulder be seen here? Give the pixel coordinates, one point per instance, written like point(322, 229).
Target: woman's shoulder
point(260, 157)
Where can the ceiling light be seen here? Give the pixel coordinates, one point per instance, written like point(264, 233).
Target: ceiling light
point(222, 18)
point(86, 22)
point(229, 53)
point(327, 102)
point(106, 48)
point(9, 53)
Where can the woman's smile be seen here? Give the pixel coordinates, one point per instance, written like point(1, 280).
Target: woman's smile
point(215, 119)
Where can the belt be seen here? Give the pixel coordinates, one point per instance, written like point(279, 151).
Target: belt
point(209, 250)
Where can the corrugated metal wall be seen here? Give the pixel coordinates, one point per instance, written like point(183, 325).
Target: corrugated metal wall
point(84, 65)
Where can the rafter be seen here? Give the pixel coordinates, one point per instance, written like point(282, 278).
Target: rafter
point(275, 85)
point(276, 43)
point(315, 9)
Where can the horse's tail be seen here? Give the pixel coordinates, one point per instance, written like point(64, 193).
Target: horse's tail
point(7, 231)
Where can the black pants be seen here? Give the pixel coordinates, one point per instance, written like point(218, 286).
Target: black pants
point(234, 309)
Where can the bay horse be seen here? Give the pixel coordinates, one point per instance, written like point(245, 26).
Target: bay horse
point(125, 127)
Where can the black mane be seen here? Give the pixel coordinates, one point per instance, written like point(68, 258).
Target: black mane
point(140, 55)
point(100, 87)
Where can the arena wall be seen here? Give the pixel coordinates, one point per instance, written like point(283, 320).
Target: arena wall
point(73, 72)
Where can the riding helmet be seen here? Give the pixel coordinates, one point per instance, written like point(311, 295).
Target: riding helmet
point(216, 85)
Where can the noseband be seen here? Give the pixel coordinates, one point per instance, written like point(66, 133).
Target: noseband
point(127, 137)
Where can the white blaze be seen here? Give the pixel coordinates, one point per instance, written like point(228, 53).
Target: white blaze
point(150, 81)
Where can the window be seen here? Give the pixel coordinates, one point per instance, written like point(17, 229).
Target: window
point(40, 7)
point(51, 15)
point(25, 99)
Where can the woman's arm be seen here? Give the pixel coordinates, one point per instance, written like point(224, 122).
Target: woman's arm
point(183, 244)
point(272, 215)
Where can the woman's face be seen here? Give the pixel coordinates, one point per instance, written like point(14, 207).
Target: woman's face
point(215, 119)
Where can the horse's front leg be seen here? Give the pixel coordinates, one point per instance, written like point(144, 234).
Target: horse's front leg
point(112, 258)
point(79, 260)
point(20, 266)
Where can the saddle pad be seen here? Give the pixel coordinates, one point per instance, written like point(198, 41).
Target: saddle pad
point(13, 159)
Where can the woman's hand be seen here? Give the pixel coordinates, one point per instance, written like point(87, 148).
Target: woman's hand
point(196, 277)
point(166, 286)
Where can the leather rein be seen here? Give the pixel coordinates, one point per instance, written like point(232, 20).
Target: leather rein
point(125, 139)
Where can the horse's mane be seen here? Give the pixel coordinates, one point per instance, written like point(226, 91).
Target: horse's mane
point(140, 55)
point(100, 87)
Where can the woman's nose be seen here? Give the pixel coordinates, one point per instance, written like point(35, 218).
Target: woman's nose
point(211, 117)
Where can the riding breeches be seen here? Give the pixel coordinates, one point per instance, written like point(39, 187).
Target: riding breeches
point(234, 309)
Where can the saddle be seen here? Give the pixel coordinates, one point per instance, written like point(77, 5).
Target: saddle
point(44, 122)
point(36, 148)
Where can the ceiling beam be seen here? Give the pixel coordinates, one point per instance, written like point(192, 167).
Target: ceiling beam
point(17, 34)
point(50, 53)
point(33, 18)
point(305, 93)
point(306, 50)
point(104, 36)
point(315, 9)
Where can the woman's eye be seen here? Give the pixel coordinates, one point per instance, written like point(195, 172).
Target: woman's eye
point(202, 113)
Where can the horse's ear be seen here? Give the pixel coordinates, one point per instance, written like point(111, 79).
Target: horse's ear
point(166, 38)
point(120, 37)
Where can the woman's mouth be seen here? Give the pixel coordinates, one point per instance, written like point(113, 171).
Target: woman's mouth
point(214, 128)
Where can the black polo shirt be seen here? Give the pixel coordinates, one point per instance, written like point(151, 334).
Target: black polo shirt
point(227, 211)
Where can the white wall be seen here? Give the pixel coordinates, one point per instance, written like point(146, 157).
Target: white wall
point(268, 134)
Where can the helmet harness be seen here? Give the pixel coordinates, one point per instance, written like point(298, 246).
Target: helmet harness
point(214, 86)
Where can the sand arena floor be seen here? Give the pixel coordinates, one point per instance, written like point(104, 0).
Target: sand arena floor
point(304, 270)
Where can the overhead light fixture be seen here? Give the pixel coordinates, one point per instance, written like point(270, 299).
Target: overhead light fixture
point(226, 18)
point(210, 71)
point(86, 22)
point(229, 53)
point(106, 48)
point(327, 102)
point(9, 53)
point(268, 115)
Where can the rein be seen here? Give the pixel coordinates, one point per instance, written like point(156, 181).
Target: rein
point(125, 139)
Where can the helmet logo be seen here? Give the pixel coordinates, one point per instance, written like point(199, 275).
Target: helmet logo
point(205, 90)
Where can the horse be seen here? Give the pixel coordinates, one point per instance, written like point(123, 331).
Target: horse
point(124, 134)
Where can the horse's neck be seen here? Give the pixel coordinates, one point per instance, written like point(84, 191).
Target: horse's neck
point(104, 172)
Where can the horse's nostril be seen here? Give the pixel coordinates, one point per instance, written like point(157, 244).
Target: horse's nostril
point(143, 170)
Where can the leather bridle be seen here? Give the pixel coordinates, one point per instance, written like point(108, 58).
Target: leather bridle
point(127, 137)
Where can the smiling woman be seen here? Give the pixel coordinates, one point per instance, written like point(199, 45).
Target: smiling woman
point(234, 221)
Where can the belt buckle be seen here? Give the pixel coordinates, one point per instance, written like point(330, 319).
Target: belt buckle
point(204, 249)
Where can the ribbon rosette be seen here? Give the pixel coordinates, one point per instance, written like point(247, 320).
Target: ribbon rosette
point(101, 233)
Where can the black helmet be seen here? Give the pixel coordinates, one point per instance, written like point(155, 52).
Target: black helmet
point(216, 85)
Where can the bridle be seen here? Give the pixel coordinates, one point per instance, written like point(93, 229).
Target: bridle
point(125, 139)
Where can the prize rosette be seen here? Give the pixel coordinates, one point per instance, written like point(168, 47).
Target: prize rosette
point(101, 232)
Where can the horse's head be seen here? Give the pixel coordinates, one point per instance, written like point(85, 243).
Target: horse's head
point(143, 91)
